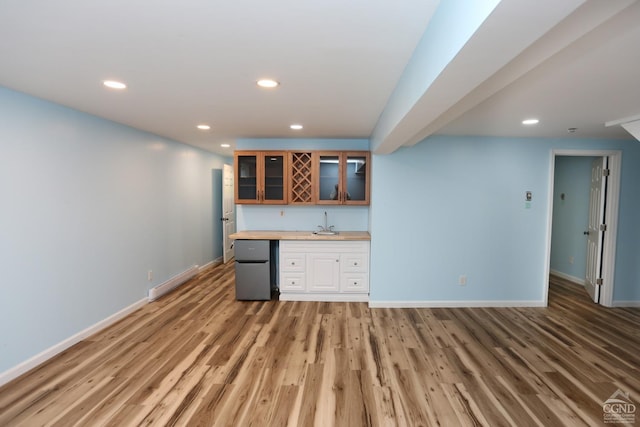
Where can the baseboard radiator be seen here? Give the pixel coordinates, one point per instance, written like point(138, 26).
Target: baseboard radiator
point(171, 284)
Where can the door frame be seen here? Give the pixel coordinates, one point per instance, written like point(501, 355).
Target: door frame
point(612, 201)
point(229, 169)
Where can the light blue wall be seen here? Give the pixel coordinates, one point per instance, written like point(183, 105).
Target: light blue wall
point(301, 218)
point(302, 144)
point(87, 208)
point(453, 206)
point(572, 178)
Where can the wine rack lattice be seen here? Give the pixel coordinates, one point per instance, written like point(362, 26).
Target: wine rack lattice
point(301, 185)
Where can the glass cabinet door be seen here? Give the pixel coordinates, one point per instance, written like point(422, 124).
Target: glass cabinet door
point(261, 177)
point(247, 177)
point(356, 178)
point(329, 190)
point(274, 178)
point(342, 177)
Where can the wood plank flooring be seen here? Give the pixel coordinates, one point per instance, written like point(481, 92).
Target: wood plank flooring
point(197, 357)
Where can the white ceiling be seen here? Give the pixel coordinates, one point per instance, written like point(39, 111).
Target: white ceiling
point(196, 61)
point(588, 82)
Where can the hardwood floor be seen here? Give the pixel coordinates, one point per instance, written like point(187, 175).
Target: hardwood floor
point(197, 357)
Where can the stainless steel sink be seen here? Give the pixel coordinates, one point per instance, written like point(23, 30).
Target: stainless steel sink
point(325, 230)
point(325, 233)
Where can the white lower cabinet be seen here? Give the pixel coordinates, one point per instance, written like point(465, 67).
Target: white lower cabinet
point(324, 271)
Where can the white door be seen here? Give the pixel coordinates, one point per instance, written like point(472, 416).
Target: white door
point(228, 212)
point(595, 234)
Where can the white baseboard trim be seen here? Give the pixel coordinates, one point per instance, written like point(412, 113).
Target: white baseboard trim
point(171, 284)
point(454, 304)
point(568, 277)
point(626, 304)
point(211, 264)
point(47, 354)
point(324, 297)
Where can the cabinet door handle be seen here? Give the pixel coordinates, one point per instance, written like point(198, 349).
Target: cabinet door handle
point(355, 263)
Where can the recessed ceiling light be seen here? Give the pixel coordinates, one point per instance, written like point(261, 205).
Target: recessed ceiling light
point(296, 127)
point(225, 145)
point(114, 84)
point(204, 127)
point(267, 83)
point(530, 122)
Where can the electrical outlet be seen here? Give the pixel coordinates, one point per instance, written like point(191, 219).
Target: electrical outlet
point(282, 213)
point(149, 275)
point(570, 260)
point(462, 280)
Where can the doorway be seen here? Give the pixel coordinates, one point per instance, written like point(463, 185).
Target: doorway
point(611, 200)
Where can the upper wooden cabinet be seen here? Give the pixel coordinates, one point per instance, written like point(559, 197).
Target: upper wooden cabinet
point(261, 177)
point(302, 177)
point(342, 177)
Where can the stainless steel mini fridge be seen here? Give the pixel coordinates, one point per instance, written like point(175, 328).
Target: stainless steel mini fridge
point(253, 269)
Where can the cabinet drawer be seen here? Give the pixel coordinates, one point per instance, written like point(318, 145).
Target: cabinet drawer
point(292, 282)
point(292, 262)
point(356, 283)
point(354, 263)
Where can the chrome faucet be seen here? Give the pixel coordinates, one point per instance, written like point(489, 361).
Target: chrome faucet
point(325, 228)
